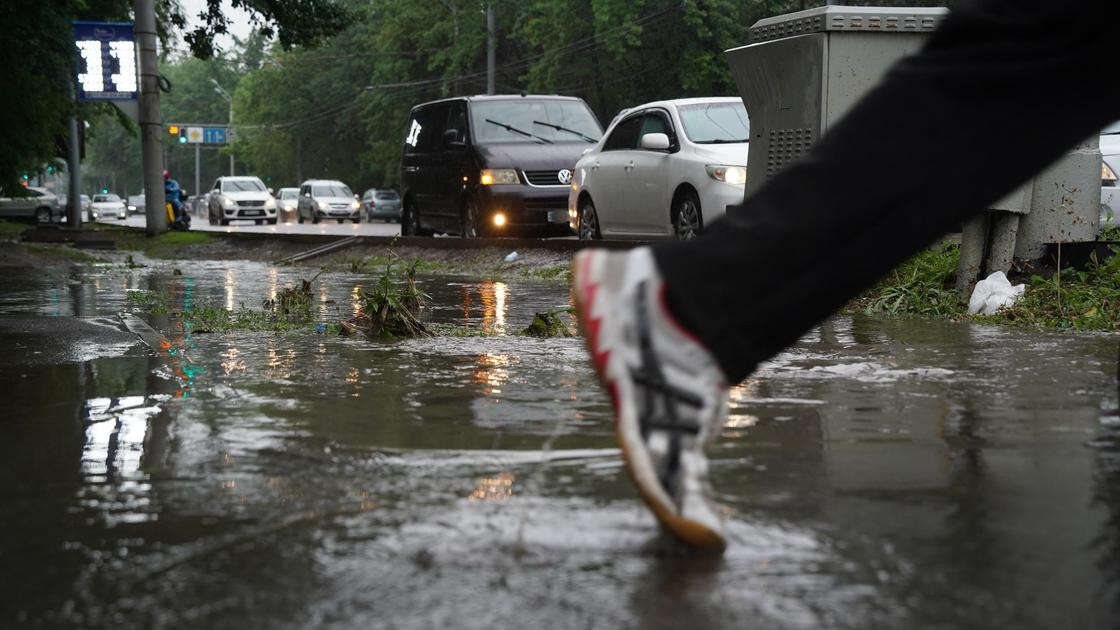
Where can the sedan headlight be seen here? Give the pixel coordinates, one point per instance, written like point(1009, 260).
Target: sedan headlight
point(228, 203)
point(1108, 176)
point(734, 175)
point(270, 204)
point(490, 176)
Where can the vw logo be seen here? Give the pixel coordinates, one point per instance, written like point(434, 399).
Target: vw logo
point(565, 176)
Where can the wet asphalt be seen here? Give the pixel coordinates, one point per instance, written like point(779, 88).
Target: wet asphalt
point(888, 474)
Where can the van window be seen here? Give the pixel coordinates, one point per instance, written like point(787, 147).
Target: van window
point(425, 127)
point(457, 120)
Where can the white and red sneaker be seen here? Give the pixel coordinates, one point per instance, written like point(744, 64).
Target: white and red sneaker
point(669, 394)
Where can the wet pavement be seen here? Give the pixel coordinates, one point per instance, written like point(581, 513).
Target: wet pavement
point(896, 474)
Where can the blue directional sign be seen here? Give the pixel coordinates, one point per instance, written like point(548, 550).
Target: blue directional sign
point(214, 135)
point(106, 61)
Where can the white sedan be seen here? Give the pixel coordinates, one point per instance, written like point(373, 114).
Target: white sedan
point(108, 205)
point(664, 169)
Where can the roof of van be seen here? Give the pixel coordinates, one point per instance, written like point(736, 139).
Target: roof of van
point(500, 97)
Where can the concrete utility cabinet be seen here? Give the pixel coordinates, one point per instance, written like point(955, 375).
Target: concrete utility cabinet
point(804, 70)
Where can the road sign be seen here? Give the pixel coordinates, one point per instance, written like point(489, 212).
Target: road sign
point(214, 135)
point(194, 135)
point(106, 61)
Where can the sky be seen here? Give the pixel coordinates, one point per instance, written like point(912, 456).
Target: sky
point(239, 21)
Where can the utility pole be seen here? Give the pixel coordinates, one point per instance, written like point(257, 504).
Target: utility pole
point(150, 126)
point(197, 177)
point(229, 132)
point(74, 197)
point(491, 47)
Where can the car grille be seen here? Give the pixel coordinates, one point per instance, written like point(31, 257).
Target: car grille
point(340, 206)
point(543, 178)
point(251, 203)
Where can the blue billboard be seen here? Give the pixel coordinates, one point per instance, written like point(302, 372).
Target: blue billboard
point(106, 61)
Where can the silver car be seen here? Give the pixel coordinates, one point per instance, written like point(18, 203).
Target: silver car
point(286, 201)
point(1110, 166)
point(327, 199)
point(381, 204)
point(39, 204)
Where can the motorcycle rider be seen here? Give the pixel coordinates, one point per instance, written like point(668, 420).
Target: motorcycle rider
point(175, 195)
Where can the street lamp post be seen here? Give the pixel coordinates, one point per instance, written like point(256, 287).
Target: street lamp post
point(229, 99)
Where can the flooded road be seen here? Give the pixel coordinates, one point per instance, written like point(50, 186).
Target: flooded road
point(877, 474)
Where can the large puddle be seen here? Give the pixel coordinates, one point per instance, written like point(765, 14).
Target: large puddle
point(877, 474)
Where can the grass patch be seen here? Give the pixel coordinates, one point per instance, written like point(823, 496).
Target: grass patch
point(61, 251)
point(547, 325)
point(554, 272)
point(919, 287)
point(392, 307)
point(163, 246)
point(378, 264)
point(12, 229)
point(291, 310)
point(1071, 300)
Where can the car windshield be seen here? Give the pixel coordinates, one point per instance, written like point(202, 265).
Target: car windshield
point(715, 123)
point(242, 185)
point(289, 193)
point(533, 120)
point(106, 198)
point(386, 195)
point(330, 190)
point(136, 200)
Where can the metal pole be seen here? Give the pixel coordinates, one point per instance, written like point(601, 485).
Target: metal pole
point(228, 132)
point(197, 176)
point(491, 47)
point(74, 197)
point(150, 125)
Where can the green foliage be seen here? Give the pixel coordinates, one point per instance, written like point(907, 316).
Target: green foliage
point(291, 310)
point(546, 325)
point(392, 307)
point(918, 287)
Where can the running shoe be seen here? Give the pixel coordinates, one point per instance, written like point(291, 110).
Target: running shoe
point(668, 392)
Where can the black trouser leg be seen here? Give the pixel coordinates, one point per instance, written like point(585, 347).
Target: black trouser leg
point(1000, 91)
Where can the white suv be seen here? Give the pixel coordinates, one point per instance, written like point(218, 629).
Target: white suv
point(234, 198)
point(664, 169)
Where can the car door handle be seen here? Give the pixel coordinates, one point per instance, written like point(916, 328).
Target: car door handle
point(630, 166)
point(411, 169)
point(595, 166)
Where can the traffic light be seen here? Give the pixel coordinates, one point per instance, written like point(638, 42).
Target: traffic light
point(105, 190)
point(182, 136)
point(173, 130)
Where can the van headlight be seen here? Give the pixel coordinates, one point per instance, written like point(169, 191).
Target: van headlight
point(1108, 176)
point(734, 175)
point(489, 176)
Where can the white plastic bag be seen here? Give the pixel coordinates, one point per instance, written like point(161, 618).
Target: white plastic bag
point(512, 257)
point(993, 293)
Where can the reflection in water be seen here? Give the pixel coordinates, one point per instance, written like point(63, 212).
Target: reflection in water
point(494, 309)
point(356, 300)
point(114, 434)
point(232, 361)
point(229, 286)
point(496, 488)
point(272, 283)
point(492, 371)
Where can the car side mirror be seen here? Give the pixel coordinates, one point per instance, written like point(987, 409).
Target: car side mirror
point(655, 142)
point(271, 192)
point(355, 196)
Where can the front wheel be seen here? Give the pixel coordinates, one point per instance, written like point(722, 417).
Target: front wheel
point(43, 215)
point(299, 217)
point(469, 220)
point(688, 222)
point(588, 222)
point(410, 221)
point(314, 217)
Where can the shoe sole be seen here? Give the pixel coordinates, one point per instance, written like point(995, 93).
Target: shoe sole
point(691, 532)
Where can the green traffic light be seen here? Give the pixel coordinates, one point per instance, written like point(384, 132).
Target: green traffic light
point(105, 190)
point(182, 139)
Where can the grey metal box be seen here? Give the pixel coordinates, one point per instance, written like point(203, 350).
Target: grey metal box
point(804, 70)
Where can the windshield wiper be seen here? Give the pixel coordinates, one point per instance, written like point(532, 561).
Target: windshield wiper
point(513, 129)
point(571, 131)
point(722, 141)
